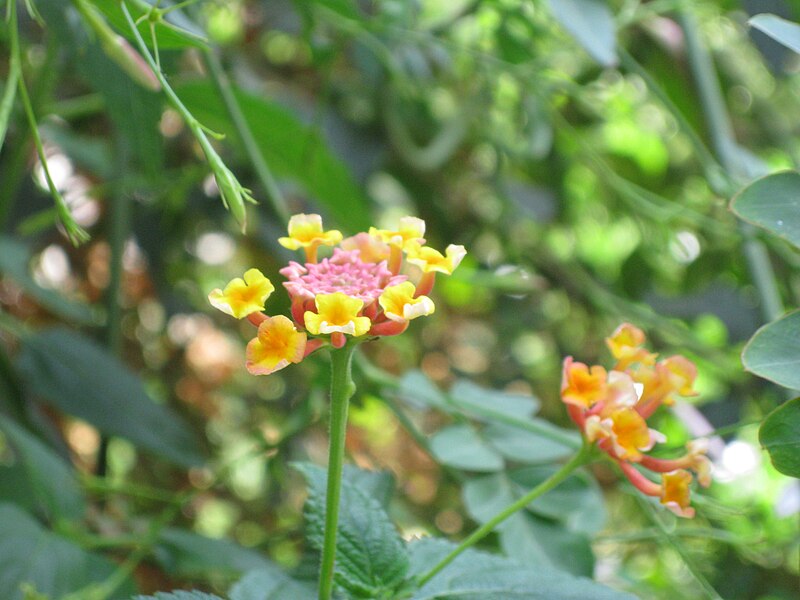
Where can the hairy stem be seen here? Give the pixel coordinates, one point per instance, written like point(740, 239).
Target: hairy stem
point(342, 389)
point(581, 458)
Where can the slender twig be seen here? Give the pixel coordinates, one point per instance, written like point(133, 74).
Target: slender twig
point(75, 232)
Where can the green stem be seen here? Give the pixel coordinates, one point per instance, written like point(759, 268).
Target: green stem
point(581, 458)
point(342, 389)
point(223, 85)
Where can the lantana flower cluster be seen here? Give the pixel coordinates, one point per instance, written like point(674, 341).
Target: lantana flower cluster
point(359, 291)
point(612, 407)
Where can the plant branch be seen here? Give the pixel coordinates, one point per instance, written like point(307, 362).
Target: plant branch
point(578, 460)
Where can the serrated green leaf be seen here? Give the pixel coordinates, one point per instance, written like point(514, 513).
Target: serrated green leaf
point(780, 436)
point(773, 352)
point(475, 575)
point(289, 147)
point(525, 446)
point(772, 202)
point(14, 261)
point(74, 374)
point(51, 564)
point(49, 477)
point(461, 447)
point(376, 484)
point(591, 24)
point(188, 554)
point(271, 583)
point(474, 399)
point(371, 560)
point(179, 595)
point(780, 30)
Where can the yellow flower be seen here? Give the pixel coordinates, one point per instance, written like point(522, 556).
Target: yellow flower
point(305, 231)
point(337, 313)
point(430, 260)
point(626, 346)
point(243, 297)
point(278, 344)
point(410, 231)
point(582, 386)
point(399, 304)
point(630, 434)
point(675, 492)
point(370, 250)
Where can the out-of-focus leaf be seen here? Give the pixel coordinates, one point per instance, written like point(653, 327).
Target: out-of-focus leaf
point(135, 112)
point(174, 30)
point(49, 478)
point(187, 554)
point(780, 30)
point(780, 435)
point(371, 561)
point(51, 564)
point(460, 446)
point(376, 484)
point(91, 153)
point(14, 261)
point(525, 446)
point(473, 398)
point(291, 149)
point(271, 583)
point(591, 23)
point(774, 353)
point(772, 202)
point(74, 374)
point(421, 392)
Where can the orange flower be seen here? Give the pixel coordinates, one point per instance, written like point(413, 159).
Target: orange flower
point(278, 344)
point(675, 493)
point(582, 386)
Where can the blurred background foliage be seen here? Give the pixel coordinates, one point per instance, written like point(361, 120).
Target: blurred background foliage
point(552, 139)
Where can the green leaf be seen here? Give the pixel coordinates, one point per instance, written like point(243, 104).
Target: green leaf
point(475, 399)
point(49, 477)
point(14, 262)
point(780, 30)
point(174, 31)
point(376, 484)
point(460, 446)
point(419, 391)
point(371, 560)
point(289, 147)
point(525, 446)
point(76, 375)
point(51, 564)
point(780, 436)
point(773, 352)
point(591, 23)
point(475, 575)
point(187, 554)
point(271, 583)
point(179, 595)
point(772, 202)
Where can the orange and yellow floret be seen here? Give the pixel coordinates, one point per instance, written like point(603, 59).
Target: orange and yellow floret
point(612, 407)
point(358, 291)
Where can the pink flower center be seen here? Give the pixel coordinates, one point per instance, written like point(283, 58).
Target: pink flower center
point(344, 272)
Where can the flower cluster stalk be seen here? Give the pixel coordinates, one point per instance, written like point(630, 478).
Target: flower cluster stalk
point(342, 389)
point(582, 457)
